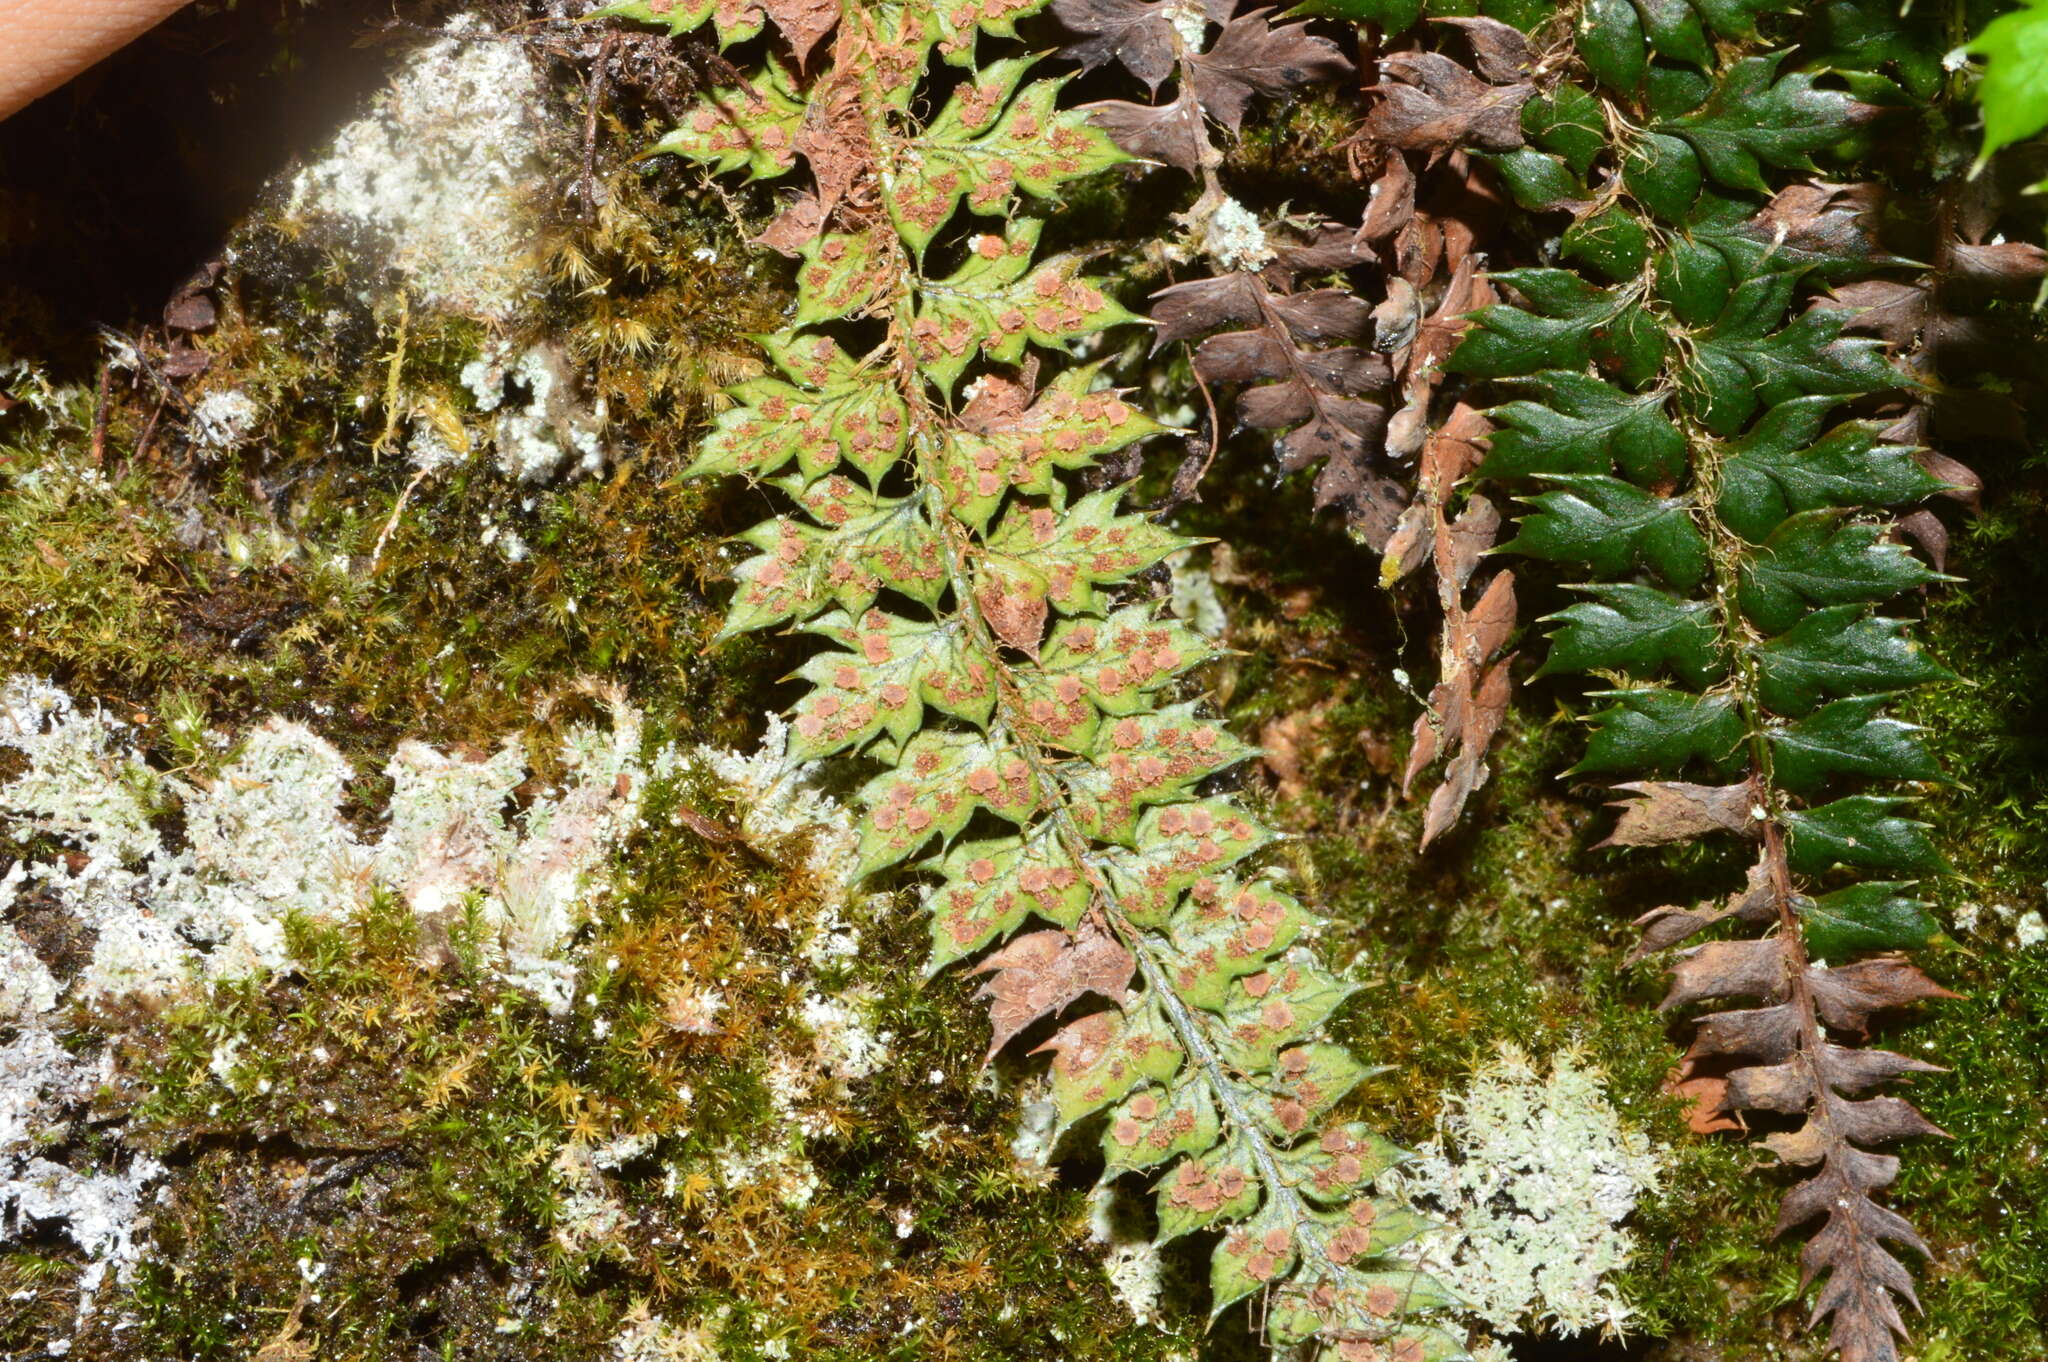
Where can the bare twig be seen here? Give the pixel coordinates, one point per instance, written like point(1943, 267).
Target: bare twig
point(599, 70)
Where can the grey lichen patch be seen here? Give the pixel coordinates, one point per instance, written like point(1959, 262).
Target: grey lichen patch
point(543, 425)
point(264, 841)
point(1532, 1176)
point(83, 780)
point(103, 1213)
point(439, 180)
point(99, 1208)
point(649, 1337)
point(223, 419)
point(1132, 1257)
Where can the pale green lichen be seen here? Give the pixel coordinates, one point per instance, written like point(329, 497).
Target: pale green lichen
point(223, 419)
point(1131, 1259)
point(264, 842)
point(27, 987)
point(1234, 239)
point(647, 1337)
point(84, 781)
point(1532, 1175)
point(99, 1209)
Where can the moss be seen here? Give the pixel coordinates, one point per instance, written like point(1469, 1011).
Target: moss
point(390, 1135)
point(37, 1296)
point(1983, 1197)
point(278, 577)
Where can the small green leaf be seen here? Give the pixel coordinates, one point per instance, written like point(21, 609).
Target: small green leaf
point(1395, 1225)
point(1754, 119)
point(898, 667)
point(1848, 738)
point(1393, 16)
point(1734, 19)
point(2014, 90)
point(1669, 91)
point(1610, 40)
point(1074, 550)
point(1538, 181)
point(1860, 832)
point(1178, 847)
point(1103, 1055)
point(993, 452)
point(957, 22)
point(752, 129)
point(1612, 527)
point(1663, 174)
point(1616, 37)
point(1252, 1255)
point(1141, 760)
point(837, 410)
point(1217, 1187)
point(990, 887)
point(1774, 472)
point(1694, 281)
point(1091, 667)
point(1277, 1007)
point(1840, 650)
point(1661, 731)
point(843, 273)
point(1340, 1163)
point(939, 782)
point(1224, 931)
point(1822, 558)
point(997, 301)
point(1873, 916)
point(1639, 630)
point(1570, 122)
point(1613, 241)
point(1155, 1124)
point(872, 542)
point(1362, 1305)
point(1575, 324)
point(980, 150)
point(1739, 366)
point(1582, 425)
point(1306, 1082)
point(1870, 37)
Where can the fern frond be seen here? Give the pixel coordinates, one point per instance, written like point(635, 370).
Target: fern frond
point(1675, 435)
point(990, 649)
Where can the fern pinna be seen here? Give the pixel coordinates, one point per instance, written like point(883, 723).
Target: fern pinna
point(1679, 438)
point(988, 647)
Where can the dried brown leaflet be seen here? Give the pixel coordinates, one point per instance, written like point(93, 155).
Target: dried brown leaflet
point(1470, 698)
point(1158, 40)
point(1294, 380)
point(1038, 974)
point(1431, 104)
point(1943, 325)
point(1317, 397)
point(1780, 1059)
point(1429, 110)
